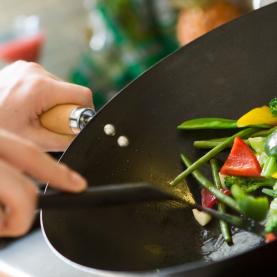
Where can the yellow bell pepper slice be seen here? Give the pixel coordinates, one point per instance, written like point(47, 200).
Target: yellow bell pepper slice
point(274, 175)
point(257, 116)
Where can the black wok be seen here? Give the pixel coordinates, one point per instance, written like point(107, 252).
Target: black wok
point(223, 74)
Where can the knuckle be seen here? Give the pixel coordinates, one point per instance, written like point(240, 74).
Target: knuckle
point(36, 81)
point(20, 63)
point(87, 93)
point(33, 65)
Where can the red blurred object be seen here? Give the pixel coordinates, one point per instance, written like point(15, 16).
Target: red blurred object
point(209, 200)
point(269, 237)
point(241, 161)
point(22, 48)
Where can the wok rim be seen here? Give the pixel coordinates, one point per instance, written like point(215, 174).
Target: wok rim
point(166, 271)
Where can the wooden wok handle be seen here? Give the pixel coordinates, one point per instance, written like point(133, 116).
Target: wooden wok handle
point(66, 119)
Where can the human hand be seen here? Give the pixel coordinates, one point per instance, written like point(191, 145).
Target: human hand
point(26, 91)
point(18, 193)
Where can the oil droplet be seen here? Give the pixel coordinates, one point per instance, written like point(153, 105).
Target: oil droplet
point(109, 130)
point(123, 141)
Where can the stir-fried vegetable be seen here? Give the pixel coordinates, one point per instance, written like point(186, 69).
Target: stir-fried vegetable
point(241, 161)
point(270, 192)
point(211, 143)
point(204, 182)
point(224, 227)
point(201, 217)
point(251, 166)
point(271, 221)
point(257, 144)
point(271, 145)
point(250, 206)
point(212, 153)
point(270, 167)
point(248, 184)
point(208, 200)
point(208, 123)
point(257, 116)
point(273, 106)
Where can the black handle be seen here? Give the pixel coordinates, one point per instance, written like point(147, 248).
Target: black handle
point(103, 195)
point(116, 194)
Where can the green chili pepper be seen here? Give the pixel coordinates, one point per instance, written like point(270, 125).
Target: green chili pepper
point(224, 227)
point(250, 206)
point(208, 123)
point(209, 155)
point(204, 182)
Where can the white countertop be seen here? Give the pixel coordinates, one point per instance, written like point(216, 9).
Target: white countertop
point(30, 256)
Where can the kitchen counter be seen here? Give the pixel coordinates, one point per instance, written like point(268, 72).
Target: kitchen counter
point(30, 256)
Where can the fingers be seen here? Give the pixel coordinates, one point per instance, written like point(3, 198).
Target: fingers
point(44, 87)
point(54, 143)
point(28, 90)
point(18, 200)
point(66, 93)
point(29, 159)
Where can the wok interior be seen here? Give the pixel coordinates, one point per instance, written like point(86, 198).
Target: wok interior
point(130, 238)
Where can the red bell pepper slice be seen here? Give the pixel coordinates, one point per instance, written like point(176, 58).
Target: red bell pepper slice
point(208, 200)
point(241, 161)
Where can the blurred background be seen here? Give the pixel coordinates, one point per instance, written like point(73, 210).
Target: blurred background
point(105, 44)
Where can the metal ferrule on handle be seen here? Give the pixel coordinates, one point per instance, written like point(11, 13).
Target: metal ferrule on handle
point(79, 118)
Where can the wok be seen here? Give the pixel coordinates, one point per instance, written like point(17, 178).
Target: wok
point(222, 74)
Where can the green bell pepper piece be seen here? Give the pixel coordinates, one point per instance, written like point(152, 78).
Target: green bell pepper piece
point(252, 207)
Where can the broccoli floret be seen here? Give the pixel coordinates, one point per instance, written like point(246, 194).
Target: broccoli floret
point(248, 184)
point(273, 106)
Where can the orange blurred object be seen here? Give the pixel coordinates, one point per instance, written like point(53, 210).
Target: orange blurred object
point(22, 48)
point(196, 21)
point(269, 237)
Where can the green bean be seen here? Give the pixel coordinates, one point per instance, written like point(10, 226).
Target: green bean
point(204, 182)
point(209, 155)
point(208, 144)
point(264, 133)
point(211, 143)
point(208, 123)
point(224, 227)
